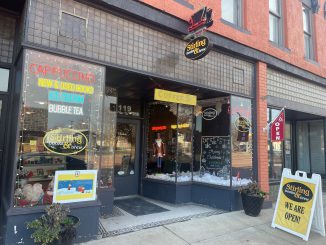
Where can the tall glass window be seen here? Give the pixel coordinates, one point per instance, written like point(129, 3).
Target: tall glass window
point(4, 79)
point(310, 146)
point(308, 32)
point(162, 138)
point(241, 136)
point(212, 143)
point(288, 151)
point(275, 21)
point(232, 11)
point(60, 123)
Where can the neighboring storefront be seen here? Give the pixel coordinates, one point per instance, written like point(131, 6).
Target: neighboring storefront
point(304, 137)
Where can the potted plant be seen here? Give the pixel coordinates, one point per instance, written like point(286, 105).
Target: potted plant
point(252, 198)
point(54, 227)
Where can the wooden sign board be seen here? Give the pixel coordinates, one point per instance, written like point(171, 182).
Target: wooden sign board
point(299, 206)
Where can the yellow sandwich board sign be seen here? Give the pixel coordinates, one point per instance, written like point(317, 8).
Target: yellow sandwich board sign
point(299, 206)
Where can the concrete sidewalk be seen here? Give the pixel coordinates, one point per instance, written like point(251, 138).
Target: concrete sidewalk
point(228, 228)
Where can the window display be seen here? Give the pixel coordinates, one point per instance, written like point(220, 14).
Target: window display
point(162, 141)
point(212, 145)
point(60, 125)
point(241, 133)
point(169, 142)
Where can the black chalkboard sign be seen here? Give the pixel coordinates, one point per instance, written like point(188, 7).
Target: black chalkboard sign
point(215, 152)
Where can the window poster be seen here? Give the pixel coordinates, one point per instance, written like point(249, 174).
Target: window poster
point(60, 123)
point(74, 186)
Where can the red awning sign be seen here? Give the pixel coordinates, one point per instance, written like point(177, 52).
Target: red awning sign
point(277, 127)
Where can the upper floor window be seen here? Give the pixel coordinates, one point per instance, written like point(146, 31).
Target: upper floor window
point(308, 32)
point(275, 21)
point(232, 11)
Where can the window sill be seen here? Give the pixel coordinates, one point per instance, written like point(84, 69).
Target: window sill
point(312, 61)
point(281, 47)
point(239, 28)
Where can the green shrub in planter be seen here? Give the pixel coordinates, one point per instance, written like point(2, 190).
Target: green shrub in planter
point(54, 227)
point(252, 198)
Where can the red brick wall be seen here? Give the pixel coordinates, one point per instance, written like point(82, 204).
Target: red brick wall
point(261, 92)
point(256, 21)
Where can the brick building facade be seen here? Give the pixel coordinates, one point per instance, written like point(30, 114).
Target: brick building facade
point(264, 58)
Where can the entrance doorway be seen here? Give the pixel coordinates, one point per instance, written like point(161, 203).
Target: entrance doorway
point(126, 159)
point(310, 146)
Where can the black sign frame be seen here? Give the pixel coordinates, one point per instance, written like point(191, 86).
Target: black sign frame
point(201, 51)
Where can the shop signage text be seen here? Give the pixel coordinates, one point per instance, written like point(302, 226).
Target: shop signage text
point(277, 127)
point(174, 97)
point(62, 73)
point(209, 114)
point(197, 48)
point(65, 141)
point(299, 202)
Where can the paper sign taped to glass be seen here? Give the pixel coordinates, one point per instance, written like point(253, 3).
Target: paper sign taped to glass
point(299, 206)
point(74, 186)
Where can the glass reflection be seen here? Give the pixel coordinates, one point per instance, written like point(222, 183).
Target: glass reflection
point(60, 123)
point(241, 130)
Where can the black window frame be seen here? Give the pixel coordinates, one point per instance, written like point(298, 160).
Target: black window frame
point(280, 29)
point(308, 34)
point(237, 11)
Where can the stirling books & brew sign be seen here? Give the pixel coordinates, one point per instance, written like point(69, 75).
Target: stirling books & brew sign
point(197, 48)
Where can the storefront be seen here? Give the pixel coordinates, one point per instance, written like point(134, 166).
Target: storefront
point(89, 104)
point(206, 140)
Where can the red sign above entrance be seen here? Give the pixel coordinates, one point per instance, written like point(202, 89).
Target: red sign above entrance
point(277, 127)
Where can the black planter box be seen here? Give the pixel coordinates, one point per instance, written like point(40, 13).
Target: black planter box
point(252, 205)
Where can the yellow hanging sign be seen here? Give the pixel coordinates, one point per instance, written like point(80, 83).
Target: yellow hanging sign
point(175, 97)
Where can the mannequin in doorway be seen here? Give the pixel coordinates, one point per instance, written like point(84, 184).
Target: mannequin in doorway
point(158, 151)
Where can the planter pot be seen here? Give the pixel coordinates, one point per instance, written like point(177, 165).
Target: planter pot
point(252, 205)
point(68, 239)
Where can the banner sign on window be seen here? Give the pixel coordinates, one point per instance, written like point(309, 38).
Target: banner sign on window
point(74, 186)
point(299, 206)
point(277, 127)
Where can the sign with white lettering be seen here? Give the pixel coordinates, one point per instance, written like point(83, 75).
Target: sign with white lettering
point(277, 127)
point(299, 205)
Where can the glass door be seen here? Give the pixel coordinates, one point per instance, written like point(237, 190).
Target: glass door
point(126, 158)
point(310, 146)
